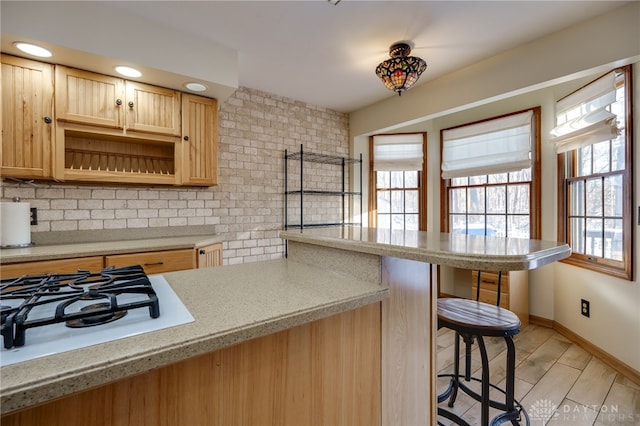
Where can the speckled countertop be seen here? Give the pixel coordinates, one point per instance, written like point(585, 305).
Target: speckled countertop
point(61, 245)
point(234, 303)
point(475, 252)
point(230, 304)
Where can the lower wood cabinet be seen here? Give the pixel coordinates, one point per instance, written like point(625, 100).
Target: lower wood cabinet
point(514, 291)
point(155, 262)
point(209, 256)
point(61, 266)
point(323, 373)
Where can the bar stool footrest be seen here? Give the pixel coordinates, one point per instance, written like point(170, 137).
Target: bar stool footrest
point(511, 415)
point(451, 416)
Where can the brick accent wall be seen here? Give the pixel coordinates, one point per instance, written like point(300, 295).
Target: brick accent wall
point(247, 205)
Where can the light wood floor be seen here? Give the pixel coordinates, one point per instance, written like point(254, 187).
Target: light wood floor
point(557, 382)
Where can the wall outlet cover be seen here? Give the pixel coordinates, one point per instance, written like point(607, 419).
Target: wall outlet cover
point(585, 308)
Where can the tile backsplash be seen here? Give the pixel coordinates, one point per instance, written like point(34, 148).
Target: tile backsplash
point(247, 205)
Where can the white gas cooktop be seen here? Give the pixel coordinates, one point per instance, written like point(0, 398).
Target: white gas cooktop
point(56, 338)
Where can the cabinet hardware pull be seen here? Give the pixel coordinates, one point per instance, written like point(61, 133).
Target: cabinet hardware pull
point(186, 138)
point(130, 104)
point(47, 120)
point(154, 263)
point(202, 251)
point(118, 102)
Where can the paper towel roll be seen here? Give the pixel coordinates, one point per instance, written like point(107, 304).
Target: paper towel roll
point(15, 224)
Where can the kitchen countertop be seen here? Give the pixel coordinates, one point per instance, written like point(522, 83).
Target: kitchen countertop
point(475, 252)
point(235, 303)
point(230, 304)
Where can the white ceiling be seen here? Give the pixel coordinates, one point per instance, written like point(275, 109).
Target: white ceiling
point(325, 55)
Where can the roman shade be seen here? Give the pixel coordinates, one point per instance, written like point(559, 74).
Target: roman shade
point(582, 118)
point(397, 152)
point(493, 146)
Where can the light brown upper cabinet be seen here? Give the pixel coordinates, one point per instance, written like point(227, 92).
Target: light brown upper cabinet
point(100, 100)
point(199, 140)
point(152, 109)
point(105, 129)
point(27, 118)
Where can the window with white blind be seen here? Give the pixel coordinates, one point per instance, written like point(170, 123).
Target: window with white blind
point(490, 176)
point(593, 137)
point(398, 181)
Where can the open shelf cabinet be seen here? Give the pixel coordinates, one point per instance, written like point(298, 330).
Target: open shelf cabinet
point(346, 201)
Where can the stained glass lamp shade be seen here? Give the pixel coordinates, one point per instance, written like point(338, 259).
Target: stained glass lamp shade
point(401, 71)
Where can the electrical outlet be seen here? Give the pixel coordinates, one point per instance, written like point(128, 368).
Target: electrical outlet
point(585, 308)
point(34, 216)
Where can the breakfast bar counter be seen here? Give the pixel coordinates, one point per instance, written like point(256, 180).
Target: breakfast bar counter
point(475, 252)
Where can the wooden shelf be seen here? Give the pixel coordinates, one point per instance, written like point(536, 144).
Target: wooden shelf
point(95, 157)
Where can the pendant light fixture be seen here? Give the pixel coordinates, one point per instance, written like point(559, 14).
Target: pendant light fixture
point(401, 71)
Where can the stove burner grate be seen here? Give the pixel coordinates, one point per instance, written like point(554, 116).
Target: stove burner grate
point(100, 314)
point(82, 299)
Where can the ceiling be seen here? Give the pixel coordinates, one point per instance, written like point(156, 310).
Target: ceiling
point(325, 55)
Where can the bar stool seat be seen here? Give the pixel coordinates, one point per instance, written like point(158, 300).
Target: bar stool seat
point(473, 320)
point(486, 319)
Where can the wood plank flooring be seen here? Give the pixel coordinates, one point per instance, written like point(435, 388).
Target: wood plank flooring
point(557, 382)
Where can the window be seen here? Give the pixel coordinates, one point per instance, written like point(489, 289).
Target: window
point(398, 182)
point(595, 179)
point(505, 201)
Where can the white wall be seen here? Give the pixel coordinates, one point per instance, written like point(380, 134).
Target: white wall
point(532, 75)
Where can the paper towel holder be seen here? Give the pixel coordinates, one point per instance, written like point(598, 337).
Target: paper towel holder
point(25, 241)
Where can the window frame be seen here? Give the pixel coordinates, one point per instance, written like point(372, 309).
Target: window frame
point(567, 164)
point(536, 176)
point(422, 183)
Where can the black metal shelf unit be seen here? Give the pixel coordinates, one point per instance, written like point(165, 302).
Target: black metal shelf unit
point(303, 157)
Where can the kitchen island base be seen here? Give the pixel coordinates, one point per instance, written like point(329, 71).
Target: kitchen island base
point(320, 373)
point(408, 361)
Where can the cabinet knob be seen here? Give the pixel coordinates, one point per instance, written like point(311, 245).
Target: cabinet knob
point(130, 104)
point(118, 102)
point(186, 138)
point(47, 120)
point(202, 251)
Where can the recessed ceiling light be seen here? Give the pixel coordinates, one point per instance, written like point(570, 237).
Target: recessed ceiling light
point(196, 87)
point(32, 49)
point(128, 71)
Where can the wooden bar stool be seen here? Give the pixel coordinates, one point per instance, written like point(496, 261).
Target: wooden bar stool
point(473, 320)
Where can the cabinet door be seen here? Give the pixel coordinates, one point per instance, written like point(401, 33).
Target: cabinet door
point(199, 140)
point(210, 255)
point(27, 112)
point(89, 98)
point(155, 262)
point(61, 266)
point(152, 109)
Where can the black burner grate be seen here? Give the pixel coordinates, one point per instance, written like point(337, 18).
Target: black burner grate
point(85, 297)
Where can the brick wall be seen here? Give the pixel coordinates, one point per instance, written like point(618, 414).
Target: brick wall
point(246, 206)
